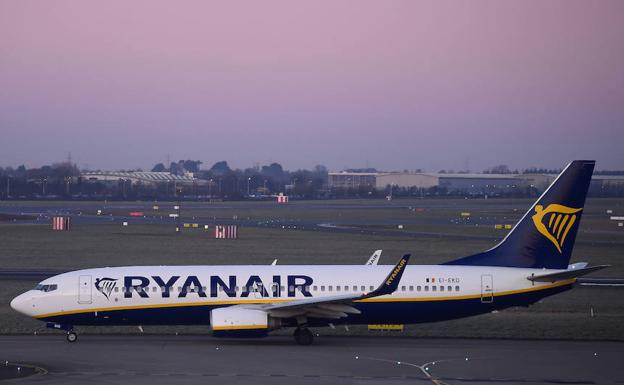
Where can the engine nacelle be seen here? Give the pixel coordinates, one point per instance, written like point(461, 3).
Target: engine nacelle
point(237, 321)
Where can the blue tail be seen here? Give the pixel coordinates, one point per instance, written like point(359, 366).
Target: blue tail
point(545, 235)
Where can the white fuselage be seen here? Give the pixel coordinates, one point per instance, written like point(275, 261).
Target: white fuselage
point(125, 295)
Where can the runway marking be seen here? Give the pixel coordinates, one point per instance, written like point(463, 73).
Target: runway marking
point(424, 368)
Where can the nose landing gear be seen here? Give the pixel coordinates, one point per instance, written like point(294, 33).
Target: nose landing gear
point(72, 336)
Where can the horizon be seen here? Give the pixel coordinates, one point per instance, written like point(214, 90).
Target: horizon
point(207, 166)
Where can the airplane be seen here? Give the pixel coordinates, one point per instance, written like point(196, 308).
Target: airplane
point(530, 263)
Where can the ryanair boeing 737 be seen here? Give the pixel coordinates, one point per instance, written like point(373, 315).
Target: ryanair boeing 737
point(530, 263)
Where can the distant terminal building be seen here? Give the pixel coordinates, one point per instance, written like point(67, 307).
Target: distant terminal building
point(139, 176)
point(470, 183)
point(452, 182)
point(352, 180)
point(607, 184)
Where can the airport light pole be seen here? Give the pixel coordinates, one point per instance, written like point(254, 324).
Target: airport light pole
point(248, 182)
point(178, 218)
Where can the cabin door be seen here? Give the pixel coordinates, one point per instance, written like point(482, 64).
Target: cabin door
point(84, 289)
point(487, 289)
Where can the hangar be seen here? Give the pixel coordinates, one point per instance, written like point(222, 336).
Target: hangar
point(144, 177)
point(470, 183)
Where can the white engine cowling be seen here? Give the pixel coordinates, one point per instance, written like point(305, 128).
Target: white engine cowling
point(237, 321)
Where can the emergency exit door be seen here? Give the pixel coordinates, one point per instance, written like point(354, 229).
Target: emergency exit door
point(84, 289)
point(487, 289)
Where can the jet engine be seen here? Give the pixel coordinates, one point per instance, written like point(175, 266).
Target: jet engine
point(242, 322)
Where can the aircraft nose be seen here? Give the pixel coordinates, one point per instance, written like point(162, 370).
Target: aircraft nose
point(20, 304)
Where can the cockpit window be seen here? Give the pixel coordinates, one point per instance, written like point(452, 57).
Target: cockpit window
point(46, 288)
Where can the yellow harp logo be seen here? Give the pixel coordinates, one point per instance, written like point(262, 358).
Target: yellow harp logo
point(559, 220)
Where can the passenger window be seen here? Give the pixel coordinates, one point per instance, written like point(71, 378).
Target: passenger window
point(418, 288)
point(337, 288)
point(434, 288)
point(402, 288)
point(291, 288)
point(116, 289)
point(346, 288)
point(322, 288)
point(315, 288)
point(372, 288)
point(330, 288)
point(456, 288)
point(411, 288)
point(441, 288)
point(426, 288)
point(450, 288)
point(363, 288)
point(283, 288)
point(354, 288)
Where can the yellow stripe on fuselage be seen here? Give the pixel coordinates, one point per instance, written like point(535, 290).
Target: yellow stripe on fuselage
point(265, 301)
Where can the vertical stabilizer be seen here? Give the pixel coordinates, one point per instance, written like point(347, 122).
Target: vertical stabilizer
point(545, 235)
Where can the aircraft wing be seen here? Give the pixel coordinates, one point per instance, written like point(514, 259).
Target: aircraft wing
point(337, 306)
point(374, 259)
point(566, 274)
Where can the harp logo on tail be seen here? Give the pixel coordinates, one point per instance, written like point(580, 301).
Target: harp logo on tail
point(554, 222)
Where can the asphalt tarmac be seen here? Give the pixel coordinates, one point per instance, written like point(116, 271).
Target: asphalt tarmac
point(331, 360)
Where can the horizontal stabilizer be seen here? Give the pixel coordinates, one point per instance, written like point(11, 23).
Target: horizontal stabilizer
point(566, 274)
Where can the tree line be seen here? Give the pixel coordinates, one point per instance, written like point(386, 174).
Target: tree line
point(65, 181)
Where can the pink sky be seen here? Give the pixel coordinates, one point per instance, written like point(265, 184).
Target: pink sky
point(395, 84)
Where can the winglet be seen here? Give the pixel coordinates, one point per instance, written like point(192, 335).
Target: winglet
point(391, 282)
point(374, 259)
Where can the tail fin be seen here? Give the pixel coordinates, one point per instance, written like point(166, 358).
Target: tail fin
point(545, 235)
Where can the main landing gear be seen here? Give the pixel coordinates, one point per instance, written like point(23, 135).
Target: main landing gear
point(303, 336)
point(72, 336)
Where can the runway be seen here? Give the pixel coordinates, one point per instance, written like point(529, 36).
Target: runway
point(345, 360)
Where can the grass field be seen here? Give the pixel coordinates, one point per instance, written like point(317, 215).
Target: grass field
point(93, 245)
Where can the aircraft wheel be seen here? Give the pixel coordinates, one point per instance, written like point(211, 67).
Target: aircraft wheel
point(72, 337)
point(303, 336)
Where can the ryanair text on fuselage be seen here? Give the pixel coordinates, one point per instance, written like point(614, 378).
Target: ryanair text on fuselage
point(193, 285)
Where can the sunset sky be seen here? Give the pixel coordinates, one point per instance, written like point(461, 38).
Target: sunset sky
point(390, 84)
